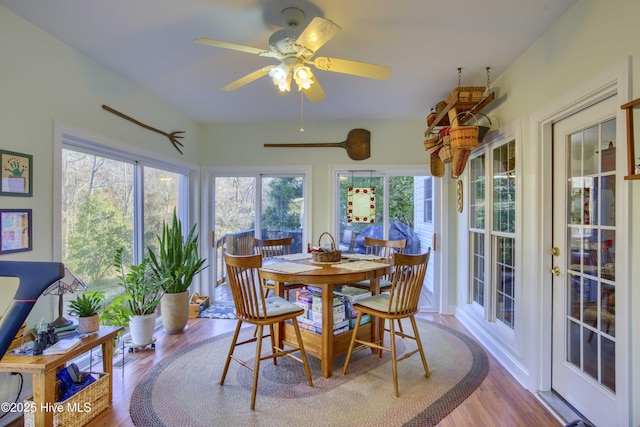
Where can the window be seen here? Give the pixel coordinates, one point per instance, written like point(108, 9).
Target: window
point(428, 199)
point(110, 200)
point(492, 268)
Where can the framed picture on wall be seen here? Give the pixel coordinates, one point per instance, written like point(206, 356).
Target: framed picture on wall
point(15, 230)
point(16, 173)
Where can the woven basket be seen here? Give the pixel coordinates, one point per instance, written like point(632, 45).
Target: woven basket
point(328, 256)
point(431, 141)
point(459, 162)
point(464, 137)
point(483, 130)
point(466, 94)
point(445, 153)
point(436, 165)
point(80, 408)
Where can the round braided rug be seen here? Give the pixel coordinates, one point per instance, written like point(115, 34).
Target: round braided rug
point(184, 390)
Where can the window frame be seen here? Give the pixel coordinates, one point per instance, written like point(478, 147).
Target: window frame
point(486, 315)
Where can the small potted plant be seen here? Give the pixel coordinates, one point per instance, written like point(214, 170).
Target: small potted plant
point(86, 307)
point(143, 292)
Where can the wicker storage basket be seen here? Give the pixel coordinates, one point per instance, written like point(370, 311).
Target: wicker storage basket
point(328, 256)
point(197, 303)
point(445, 152)
point(431, 141)
point(465, 137)
point(436, 165)
point(459, 161)
point(466, 94)
point(80, 408)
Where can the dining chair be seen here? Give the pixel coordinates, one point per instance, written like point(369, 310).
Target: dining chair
point(273, 248)
point(384, 249)
point(251, 306)
point(400, 302)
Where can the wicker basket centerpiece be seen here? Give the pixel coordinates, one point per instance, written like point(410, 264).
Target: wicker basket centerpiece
point(321, 254)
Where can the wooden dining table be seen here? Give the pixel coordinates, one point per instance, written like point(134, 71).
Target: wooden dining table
point(326, 276)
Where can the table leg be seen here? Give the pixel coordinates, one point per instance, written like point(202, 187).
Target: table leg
point(44, 390)
point(107, 364)
point(327, 331)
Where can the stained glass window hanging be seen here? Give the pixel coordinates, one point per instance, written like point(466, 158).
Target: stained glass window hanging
point(361, 204)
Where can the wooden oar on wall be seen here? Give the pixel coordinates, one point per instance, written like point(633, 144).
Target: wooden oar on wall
point(357, 144)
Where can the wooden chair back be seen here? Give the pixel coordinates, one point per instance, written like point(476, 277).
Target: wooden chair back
point(246, 286)
point(270, 248)
point(384, 248)
point(407, 283)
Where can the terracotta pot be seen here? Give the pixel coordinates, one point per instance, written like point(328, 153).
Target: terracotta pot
point(87, 325)
point(174, 309)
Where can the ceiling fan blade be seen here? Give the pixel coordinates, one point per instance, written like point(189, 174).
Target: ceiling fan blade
point(248, 78)
point(362, 69)
point(318, 32)
point(315, 92)
point(236, 46)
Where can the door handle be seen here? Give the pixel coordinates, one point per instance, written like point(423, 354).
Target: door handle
point(555, 251)
point(555, 271)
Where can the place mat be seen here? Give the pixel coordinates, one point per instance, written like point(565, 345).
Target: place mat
point(290, 267)
point(295, 257)
point(363, 256)
point(359, 265)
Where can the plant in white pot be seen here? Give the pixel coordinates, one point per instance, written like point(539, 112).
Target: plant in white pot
point(175, 264)
point(86, 307)
point(143, 292)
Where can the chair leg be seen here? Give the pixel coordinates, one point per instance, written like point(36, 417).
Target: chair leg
point(424, 360)
point(303, 354)
point(273, 344)
point(231, 349)
point(394, 361)
point(256, 367)
point(354, 335)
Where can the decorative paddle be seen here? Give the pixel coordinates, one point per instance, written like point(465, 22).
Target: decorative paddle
point(357, 144)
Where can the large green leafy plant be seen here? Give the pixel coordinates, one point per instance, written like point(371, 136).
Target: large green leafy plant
point(177, 260)
point(142, 287)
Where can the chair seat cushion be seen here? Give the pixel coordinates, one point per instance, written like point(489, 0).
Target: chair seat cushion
point(377, 302)
point(277, 306)
point(384, 283)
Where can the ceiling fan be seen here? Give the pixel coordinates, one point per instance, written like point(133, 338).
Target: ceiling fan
point(295, 49)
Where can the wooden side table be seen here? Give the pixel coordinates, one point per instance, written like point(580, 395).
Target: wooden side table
point(44, 369)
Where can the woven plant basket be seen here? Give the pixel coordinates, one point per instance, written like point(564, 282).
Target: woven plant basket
point(328, 256)
point(465, 137)
point(436, 165)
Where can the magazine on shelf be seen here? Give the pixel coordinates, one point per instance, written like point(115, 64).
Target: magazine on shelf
point(62, 346)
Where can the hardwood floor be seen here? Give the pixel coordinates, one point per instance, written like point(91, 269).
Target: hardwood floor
point(499, 401)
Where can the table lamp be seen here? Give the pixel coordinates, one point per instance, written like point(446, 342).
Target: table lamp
point(68, 284)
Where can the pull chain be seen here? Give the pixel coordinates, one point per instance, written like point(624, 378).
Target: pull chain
point(459, 75)
point(488, 79)
point(301, 112)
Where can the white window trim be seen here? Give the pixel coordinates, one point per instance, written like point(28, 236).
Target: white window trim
point(483, 319)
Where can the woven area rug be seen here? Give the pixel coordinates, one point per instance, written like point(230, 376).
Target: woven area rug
point(183, 389)
point(219, 310)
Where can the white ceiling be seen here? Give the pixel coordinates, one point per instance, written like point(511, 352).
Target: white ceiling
point(150, 43)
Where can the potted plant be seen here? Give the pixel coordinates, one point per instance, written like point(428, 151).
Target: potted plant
point(175, 264)
point(143, 292)
point(86, 307)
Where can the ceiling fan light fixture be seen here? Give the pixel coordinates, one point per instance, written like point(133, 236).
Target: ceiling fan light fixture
point(303, 76)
